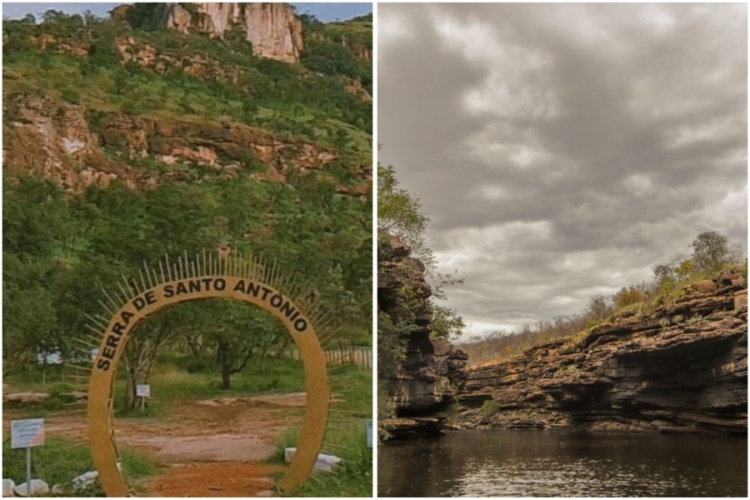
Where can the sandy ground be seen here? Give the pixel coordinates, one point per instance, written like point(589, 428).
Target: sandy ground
point(212, 447)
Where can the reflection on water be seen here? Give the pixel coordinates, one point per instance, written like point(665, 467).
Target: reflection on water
point(547, 463)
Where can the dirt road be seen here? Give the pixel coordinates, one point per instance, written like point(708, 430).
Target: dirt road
point(212, 447)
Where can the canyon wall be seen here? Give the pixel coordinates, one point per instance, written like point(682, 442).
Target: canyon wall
point(430, 372)
point(680, 368)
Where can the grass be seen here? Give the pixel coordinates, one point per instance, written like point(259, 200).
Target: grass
point(61, 459)
point(353, 477)
point(170, 382)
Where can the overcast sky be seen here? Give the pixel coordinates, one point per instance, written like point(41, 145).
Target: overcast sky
point(323, 11)
point(563, 150)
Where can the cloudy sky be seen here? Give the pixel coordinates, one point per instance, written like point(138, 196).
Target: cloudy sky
point(323, 11)
point(563, 150)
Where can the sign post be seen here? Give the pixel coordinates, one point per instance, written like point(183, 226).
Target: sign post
point(27, 434)
point(143, 391)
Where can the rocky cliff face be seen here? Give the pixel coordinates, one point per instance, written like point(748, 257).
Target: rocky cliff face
point(431, 371)
point(682, 368)
point(272, 28)
point(65, 142)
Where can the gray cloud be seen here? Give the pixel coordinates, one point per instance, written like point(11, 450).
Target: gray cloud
point(563, 150)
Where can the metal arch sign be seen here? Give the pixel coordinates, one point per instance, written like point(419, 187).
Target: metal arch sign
point(242, 279)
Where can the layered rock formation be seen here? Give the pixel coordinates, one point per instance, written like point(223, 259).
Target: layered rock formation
point(272, 28)
point(681, 368)
point(430, 372)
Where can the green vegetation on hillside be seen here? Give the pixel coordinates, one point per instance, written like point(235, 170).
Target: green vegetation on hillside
point(336, 48)
point(59, 251)
point(169, 74)
point(141, 94)
point(353, 476)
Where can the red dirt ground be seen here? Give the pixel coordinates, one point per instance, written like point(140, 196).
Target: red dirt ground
point(221, 479)
point(212, 447)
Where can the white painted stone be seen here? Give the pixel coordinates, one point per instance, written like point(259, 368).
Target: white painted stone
point(325, 463)
point(38, 487)
point(8, 485)
point(85, 480)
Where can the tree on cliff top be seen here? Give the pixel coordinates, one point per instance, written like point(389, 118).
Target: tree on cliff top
point(399, 213)
point(711, 251)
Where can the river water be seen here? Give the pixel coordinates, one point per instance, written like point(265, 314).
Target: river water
point(562, 463)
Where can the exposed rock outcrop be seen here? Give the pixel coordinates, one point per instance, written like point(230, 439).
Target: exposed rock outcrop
point(273, 29)
point(681, 368)
point(431, 371)
point(61, 141)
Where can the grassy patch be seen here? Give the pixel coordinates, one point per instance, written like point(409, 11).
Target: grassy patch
point(62, 459)
point(170, 383)
point(353, 477)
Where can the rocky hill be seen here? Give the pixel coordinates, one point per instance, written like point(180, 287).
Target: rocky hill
point(185, 92)
point(680, 368)
point(429, 372)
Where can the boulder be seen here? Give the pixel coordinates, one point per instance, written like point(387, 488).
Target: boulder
point(38, 488)
point(8, 486)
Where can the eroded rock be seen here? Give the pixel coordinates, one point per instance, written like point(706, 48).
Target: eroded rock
point(682, 368)
point(431, 372)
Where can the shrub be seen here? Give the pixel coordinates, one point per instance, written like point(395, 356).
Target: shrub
point(52, 404)
point(628, 296)
point(71, 96)
point(490, 407)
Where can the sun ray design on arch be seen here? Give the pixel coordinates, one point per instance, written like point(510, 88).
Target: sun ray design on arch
point(222, 274)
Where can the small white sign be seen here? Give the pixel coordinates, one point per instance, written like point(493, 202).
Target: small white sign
point(369, 433)
point(27, 433)
point(143, 390)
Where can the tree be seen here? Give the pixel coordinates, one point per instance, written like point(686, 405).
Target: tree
point(598, 307)
point(244, 331)
point(140, 352)
point(446, 323)
point(398, 212)
point(711, 251)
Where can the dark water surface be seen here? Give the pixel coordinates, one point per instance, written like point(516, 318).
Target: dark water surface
point(556, 463)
